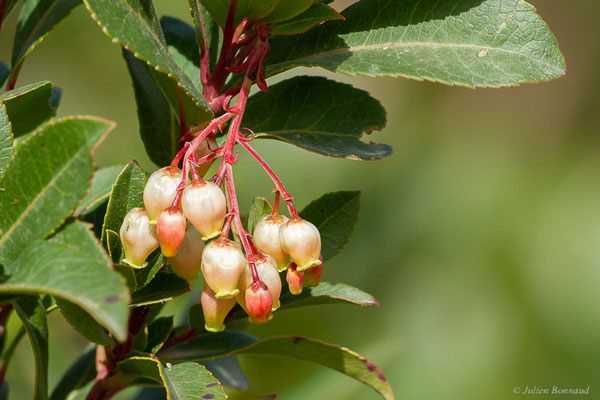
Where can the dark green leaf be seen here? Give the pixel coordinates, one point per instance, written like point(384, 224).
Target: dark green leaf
point(82, 371)
point(128, 273)
point(335, 215)
point(473, 43)
point(6, 140)
point(299, 348)
point(29, 106)
point(144, 275)
point(159, 128)
point(32, 313)
point(83, 323)
point(259, 207)
point(196, 317)
point(218, 10)
point(185, 381)
point(140, 341)
point(127, 193)
point(4, 390)
point(135, 26)
point(316, 14)
point(286, 9)
point(102, 183)
point(36, 20)
point(158, 332)
point(47, 177)
point(113, 245)
point(4, 73)
point(328, 293)
point(182, 44)
point(319, 115)
point(73, 266)
point(163, 288)
point(208, 32)
point(227, 370)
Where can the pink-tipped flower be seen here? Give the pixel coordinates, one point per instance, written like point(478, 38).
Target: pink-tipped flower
point(268, 273)
point(171, 230)
point(186, 263)
point(312, 276)
point(138, 237)
point(302, 241)
point(204, 204)
point(206, 147)
point(160, 191)
point(215, 310)
point(268, 241)
point(222, 264)
point(295, 279)
point(259, 302)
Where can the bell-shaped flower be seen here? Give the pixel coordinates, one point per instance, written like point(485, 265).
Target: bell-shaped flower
point(160, 191)
point(204, 205)
point(302, 241)
point(215, 310)
point(312, 276)
point(138, 237)
point(267, 239)
point(259, 302)
point(268, 273)
point(171, 230)
point(295, 279)
point(222, 264)
point(186, 263)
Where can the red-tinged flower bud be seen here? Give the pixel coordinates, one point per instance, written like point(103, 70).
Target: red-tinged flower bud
point(301, 240)
point(186, 263)
point(171, 230)
point(160, 191)
point(259, 302)
point(215, 310)
point(267, 239)
point(204, 204)
point(222, 264)
point(312, 276)
point(268, 273)
point(138, 237)
point(295, 279)
point(206, 147)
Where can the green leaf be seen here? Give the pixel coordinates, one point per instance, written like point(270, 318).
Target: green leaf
point(473, 43)
point(135, 26)
point(144, 276)
point(29, 106)
point(127, 193)
point(300, 348)
point(4, 390)
point(182, 44)
point(82, 371)
point(6, 140)
point(208, 33)
point(158, 332)
point(32, 313)
point(259, 207)
point(47, 177)
point(328, 293)
point(335, 215)
point(36, 20)
point(319, 115)
point(72, 266)
point(83, 323)
point(316, 14)
point(159, 128)
point(227, 370)
point(159, 290)
point(128, 273)
point(260, 8)
point(218, 9)
point(4, 73)
point(113, 245)
point(102, 183)
point(140, 341)
point(286, 9)
point(185, 381)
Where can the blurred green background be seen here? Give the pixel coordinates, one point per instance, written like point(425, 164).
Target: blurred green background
point(479, 236)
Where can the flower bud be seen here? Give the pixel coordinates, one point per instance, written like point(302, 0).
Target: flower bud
point(138, 237)
point(204, 204)
point(295, 279)
point(186, 263)
point(215, 310)
point(160, 191)
point(268, 273)
point(259, 302)
point(206, 147)
point(267, 239)
point(312, 276)
point(301, 240)
point(222, 264)
point(171, 230)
